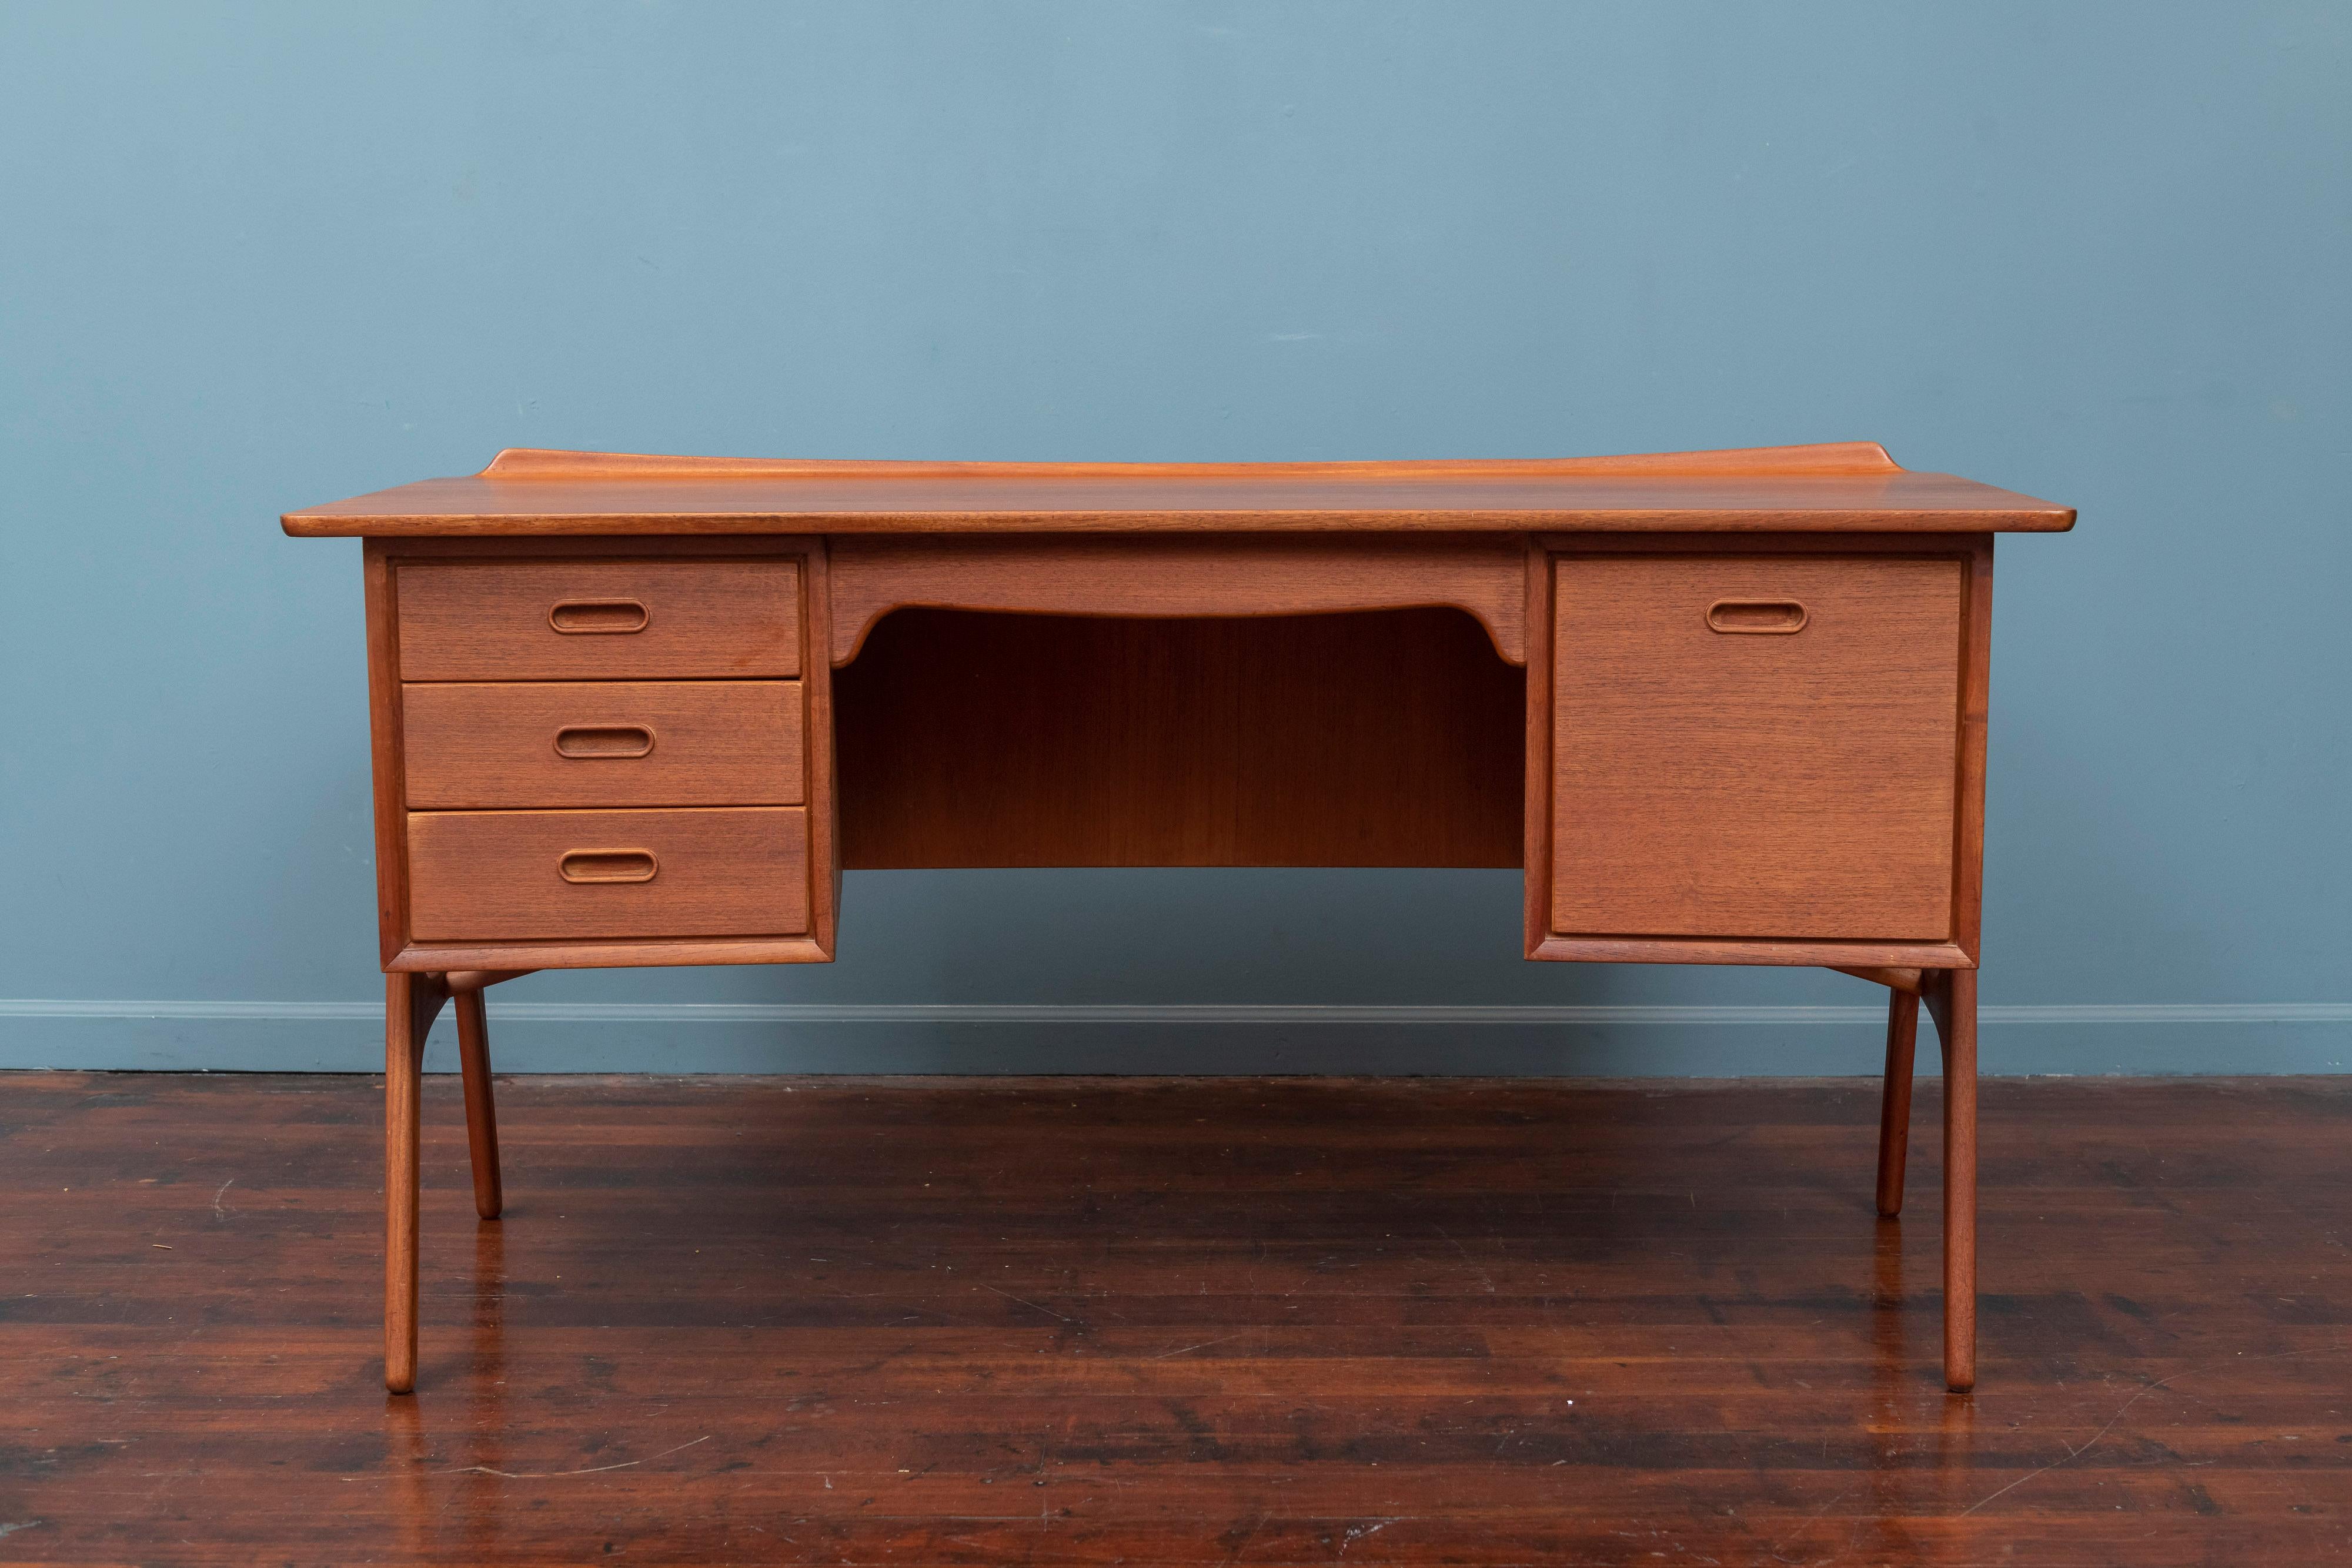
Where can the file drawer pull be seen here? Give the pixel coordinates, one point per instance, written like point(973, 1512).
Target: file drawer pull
point(576, 616)
point(1757, 617)
point(607, 866)
point(588, 741)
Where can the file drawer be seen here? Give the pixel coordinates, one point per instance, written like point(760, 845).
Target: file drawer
point(1755, 746)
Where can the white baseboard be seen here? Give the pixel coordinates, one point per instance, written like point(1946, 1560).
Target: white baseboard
point(788, 1037)
point(1184, 1014)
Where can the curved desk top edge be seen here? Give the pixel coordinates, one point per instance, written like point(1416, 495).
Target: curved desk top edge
point(1850, 487)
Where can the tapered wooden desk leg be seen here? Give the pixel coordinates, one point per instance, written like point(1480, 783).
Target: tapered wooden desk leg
point(410, 1005)
point(1895, 1099)
point(481, 1110)
point(1952, 998)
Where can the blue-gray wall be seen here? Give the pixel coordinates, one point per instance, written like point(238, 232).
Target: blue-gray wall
point(254, 257)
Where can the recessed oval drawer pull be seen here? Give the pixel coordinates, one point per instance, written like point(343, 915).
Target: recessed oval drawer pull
point(607, 866)
point(584, 741)
point(1768, 617)
point(574, 616)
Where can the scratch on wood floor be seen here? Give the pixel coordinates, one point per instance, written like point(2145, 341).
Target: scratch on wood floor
point(557, 1474)
point(1811, 1520)
point(2073, 1454)
point(1031, 1305)
point(1204, 1344)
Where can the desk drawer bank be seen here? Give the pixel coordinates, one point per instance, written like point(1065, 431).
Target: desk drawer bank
point(1721, 707)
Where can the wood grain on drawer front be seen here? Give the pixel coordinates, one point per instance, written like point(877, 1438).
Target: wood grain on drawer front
point(1755, 746)
point(598, 620)
point(601, 743)
point(524, 875)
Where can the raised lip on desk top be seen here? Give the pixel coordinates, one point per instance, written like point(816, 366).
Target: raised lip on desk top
point(1848, 487)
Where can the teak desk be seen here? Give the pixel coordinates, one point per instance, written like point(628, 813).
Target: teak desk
point(1722, 707)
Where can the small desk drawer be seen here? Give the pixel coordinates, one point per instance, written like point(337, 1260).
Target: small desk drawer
point(598, 620)
point(601, 743)
point(523, 875)
point(1757, 746)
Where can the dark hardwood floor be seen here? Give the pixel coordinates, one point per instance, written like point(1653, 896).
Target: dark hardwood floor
point(1189, 1321)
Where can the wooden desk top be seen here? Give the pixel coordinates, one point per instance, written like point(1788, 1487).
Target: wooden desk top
point(1848, 487)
